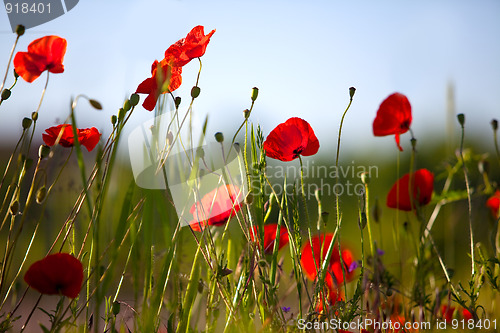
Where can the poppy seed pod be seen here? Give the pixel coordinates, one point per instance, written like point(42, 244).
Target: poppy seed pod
point(5, 94)
point(255, 93)
point(20, 30)
point(494, 124)
point(219, 137)
point(40, 194)
point(114, 119)
point(134, 99)
point(195, 91)
point(14, 207)
point(352, 90)
point(26, 123)
point(461, 119)
point(43, 151)
point(177, 102)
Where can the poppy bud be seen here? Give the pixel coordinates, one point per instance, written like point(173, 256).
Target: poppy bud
point(484, 167)
point(324, 217)
point(494, 124)
point(14, 207)
point(134, 99)
point(246, 113)
point(95, 104)
point(200, 286)
point(127, 105)
point(29, 163)
point(115, 308)
point(200, 152)
point(195, 91)
point(461, 119)
point(114, 119)
point(43, 151)
point(121, 114)
point(27, 123)
point(177, 102)
point(363, 220)
point(352, 90)
point(255, 93)
point(249, 198)
point(365, 178)
point(20, 30)
point(170, 138)
point(40, 194)
point(219, 137)
point(5, 94)
point(34, 115)
point(236, 146)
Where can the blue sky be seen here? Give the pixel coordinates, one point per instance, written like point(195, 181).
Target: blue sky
point(302, 55)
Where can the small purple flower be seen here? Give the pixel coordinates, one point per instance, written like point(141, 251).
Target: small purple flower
point(353, 266)
point(286, 309)
point(380, 252)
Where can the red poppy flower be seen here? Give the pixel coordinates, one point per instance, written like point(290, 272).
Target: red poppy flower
point(186, 49)
point(164, 79)
point(46, 53)
point(270, 236)
point(335, 274)
point(87, 137)
point(290, 139)
point(422, 184)
point(447, 312)
point(493, 203)
point(56, 274)
point(332, 297)
point(216, 207)
point(466, 314)
point(393, 117)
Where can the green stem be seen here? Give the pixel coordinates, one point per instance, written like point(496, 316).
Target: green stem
point(8, 63)
point(467, 185)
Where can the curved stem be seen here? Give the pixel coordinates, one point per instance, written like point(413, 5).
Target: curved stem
point(8, 63)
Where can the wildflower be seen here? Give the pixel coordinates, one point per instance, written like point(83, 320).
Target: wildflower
point(285, 309)
point(186, 49)
point(270, 236)
point(331, 297)
point(56, 274)
point(46, 53)
point(164, 79)
point(335, 273)
point(393, 117)
point(493, 203)
point(88, 137)
point(422, 187)
point(290, 139)
point(216, 207)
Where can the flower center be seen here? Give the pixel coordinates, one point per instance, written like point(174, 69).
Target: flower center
point(297, 151)
point(405, 125)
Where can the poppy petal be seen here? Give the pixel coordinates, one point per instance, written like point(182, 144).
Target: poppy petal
point(423, 186)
